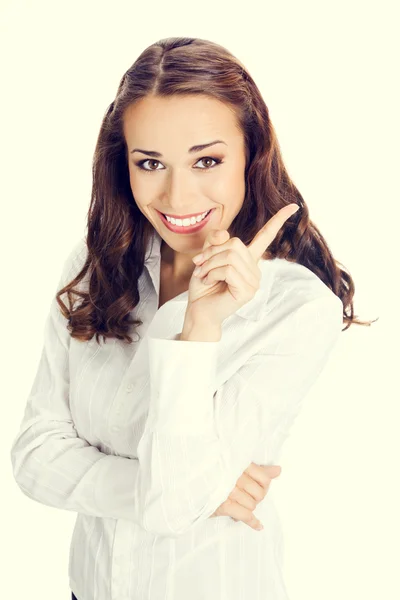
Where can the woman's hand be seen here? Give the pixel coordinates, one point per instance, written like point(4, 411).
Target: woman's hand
point(251, 487)
point(232, 271)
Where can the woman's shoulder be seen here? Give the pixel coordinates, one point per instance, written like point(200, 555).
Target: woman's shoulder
point(293, 284)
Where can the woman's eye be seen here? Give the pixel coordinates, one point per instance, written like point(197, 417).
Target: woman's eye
point(217, 161)
point(141, 163)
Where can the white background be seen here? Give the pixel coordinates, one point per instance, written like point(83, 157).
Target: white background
point(327, 72)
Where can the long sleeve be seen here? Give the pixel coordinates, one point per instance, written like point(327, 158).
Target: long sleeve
point(51, 463)
point(197, 443)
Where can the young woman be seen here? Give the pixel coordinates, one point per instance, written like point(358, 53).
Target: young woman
point(165, 444)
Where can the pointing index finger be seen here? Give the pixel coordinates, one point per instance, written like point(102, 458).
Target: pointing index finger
point(267, 233)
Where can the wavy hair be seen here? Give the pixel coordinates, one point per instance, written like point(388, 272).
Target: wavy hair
point(118, 233)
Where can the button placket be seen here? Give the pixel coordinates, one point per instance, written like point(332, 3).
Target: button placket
point(118, 412)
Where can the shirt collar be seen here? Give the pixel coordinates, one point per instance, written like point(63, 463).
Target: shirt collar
point(252, 310)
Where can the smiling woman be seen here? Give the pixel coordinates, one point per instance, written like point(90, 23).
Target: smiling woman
point(153, 441)
point(194, 110)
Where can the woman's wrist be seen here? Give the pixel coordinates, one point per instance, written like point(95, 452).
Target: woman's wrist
point(195, 330)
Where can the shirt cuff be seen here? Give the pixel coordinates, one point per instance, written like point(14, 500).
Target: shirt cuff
point(182, 383)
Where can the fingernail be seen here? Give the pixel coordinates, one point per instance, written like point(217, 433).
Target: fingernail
point(197, 258)
point(260, 527)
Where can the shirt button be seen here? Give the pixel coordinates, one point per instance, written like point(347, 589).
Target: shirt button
point(115, 428)
point(129, 387)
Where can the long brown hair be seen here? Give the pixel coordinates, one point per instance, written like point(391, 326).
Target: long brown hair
point(118, 233)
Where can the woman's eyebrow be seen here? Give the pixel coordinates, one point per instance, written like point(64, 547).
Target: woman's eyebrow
point(191, 150)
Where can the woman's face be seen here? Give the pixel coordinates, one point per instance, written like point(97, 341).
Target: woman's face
point(167, 177)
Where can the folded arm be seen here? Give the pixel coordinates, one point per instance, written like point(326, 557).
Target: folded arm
point(197, 441)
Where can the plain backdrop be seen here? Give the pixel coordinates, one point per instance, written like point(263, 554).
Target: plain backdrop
point(327, 72)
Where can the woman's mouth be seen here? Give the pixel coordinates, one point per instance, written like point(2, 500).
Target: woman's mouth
point(181, 226)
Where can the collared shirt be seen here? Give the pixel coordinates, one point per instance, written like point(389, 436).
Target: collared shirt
point(145, 441)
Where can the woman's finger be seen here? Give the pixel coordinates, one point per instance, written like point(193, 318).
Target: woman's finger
point(235, 244)
point(263, 473)
point(231, 508)
point(238, 286)
point(244, 498)
point(230, 257)
point(268, 232)
point(252, 488)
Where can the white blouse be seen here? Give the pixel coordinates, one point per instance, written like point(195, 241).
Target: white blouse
point(145, 441)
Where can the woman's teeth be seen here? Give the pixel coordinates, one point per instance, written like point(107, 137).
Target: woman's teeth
point(187, 222)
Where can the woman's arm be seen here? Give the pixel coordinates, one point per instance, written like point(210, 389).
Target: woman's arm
point(198, 441)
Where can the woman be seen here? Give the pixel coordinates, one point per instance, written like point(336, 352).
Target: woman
point(147, 439)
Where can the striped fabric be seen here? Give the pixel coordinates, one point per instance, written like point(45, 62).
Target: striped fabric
point(145, 441)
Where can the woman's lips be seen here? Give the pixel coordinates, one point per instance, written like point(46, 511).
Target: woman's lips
point(188, 229)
